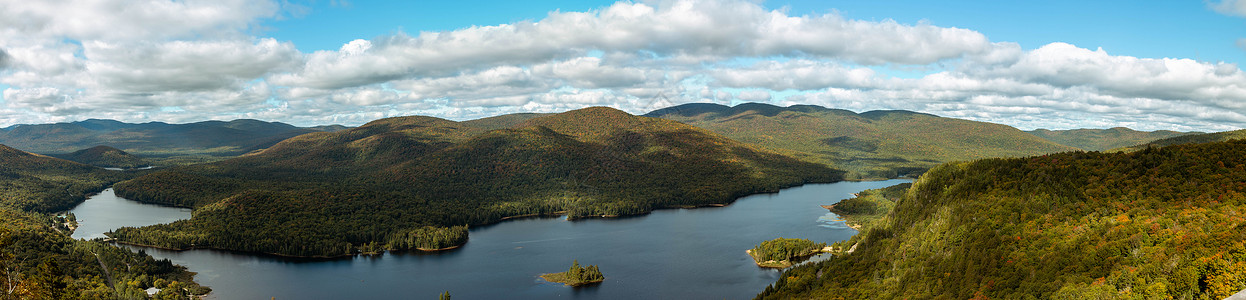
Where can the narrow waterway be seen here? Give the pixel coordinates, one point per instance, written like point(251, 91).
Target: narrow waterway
point(669, 254)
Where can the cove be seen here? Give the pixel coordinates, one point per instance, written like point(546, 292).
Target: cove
point(668, 254)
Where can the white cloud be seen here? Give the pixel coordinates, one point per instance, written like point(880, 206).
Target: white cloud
point(186, 66)
point(691, 31)
point(1229, 7)
point(133, 19)
point(194, 60)
point(754, 96)
point(796, 75)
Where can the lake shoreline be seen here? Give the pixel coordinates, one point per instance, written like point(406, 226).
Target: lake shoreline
point(504, 257)
point(501, 220)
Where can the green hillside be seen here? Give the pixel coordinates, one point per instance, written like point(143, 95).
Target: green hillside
point(1188, 139)
point(37, 183)
point(104, 156)
point(876, 144)
point(155, 138)
point(1104, 139)
point(367, 188)
point(41, 261)
point(1161, 223)
point(503, 121)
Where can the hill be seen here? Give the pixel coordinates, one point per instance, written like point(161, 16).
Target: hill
point(107, 157)
point(41, 261)
point(1154, 224)
point(1188, 139)
point(1104, 139)
point(37, 183)
point(155, 138)
point(401, 181)
point(875, 144)
point(503, 121)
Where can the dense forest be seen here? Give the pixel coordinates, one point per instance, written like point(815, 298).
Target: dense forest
point(385, 184)
point(1104, 139)
point(783, 252)
point(107, 157)
point(38, 260)
point(869, 145)
point(1153, 224)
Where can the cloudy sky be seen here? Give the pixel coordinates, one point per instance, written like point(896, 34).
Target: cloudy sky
point(1049, 64)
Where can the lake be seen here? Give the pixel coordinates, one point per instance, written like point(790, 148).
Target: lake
point(668, 254)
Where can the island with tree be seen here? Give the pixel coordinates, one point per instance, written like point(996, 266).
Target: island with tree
point(576, 275)
point(781, 252)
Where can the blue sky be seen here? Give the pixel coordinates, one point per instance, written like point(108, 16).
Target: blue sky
point(1030, 64)
point(1155, 29)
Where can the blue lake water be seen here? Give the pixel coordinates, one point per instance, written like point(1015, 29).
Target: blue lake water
point(668, 254)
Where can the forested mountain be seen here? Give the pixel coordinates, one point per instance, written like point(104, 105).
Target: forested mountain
point(1104, 139)
point(875, 144)
point(1188, 139)
point(400, 182)
point(37, 183)
point(38, 260)
point(155, 138)
point(105, 156)
point(1154, 224)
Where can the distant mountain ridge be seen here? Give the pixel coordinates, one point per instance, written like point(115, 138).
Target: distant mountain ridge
point(154, 138)
point(874, 144)
point(1104, 139)
point(1188, 139)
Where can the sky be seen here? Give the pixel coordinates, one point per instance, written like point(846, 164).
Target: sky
point(1147, 65)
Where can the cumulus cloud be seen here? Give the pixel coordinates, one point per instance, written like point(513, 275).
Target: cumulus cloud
point(796, 75)
point(194, 60)
point(692, 30)
point(133, 19)
point(186, 65)
point(1065, 66)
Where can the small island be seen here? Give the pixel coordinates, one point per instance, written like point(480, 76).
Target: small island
point(781, 253)
point(577, 275)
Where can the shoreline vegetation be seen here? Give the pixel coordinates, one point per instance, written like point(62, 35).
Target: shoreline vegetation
point(576, 276)
point(783, 252)
point(451, 247)
point(864, 211)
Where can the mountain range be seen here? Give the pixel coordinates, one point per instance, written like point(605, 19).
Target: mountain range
point(153, 138)
point(1105, 139)
point(996, 212)
point(874, 144)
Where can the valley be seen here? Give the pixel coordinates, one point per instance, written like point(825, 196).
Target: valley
point(410, 191)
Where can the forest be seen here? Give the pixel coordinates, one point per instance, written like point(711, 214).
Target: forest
point(105, 156)
point(385, 184)
point(783, 252)
point(576, 275)
point(38, 259)
point(1158, 223)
